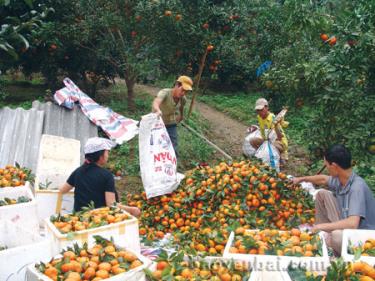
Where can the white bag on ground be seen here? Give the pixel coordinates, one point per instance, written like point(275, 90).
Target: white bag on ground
point(247, 148)
point(157, 157)
point(269, 154)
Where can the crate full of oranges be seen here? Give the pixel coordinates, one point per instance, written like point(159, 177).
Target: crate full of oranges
point(104, 260)
point(65, 230)
point(278, 248)
point(359, 244)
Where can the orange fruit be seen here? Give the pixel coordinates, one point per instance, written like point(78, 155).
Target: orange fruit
point(308, 254)
point(324, 37)
point(74, 276)
point(332, 41)
point(51, 272)
point(67, 267)
point(186, 273)
point(102, 273)
point(109, 249)
point(161, 265)
point(69, 254)
point(105, 266)
point(130, 257)
point(210, 48)
point(117, 270)
point(135, 264)
point(157, 274)
point(295, 232)
point(225, 277)
point(305, 236)
point(89, 273)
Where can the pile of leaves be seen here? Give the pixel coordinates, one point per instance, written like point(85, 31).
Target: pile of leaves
point(213, 201)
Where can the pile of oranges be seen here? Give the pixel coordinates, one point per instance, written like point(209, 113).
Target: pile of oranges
point(215, 270)
point(87, 219)
point(274, 242)
point(212, 201)
point(100, 262)
point(13, 176)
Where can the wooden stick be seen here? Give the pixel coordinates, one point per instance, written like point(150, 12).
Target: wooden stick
point(321, 170)
point(200, 71)
point(208, 141)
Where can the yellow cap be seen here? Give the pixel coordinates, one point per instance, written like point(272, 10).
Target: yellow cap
point(187, 83)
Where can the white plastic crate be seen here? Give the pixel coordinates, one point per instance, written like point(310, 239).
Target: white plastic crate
point(23, 248)
point(125, 233)
point(51, 202)
point(280, 263)
point(58, 158)
point(23, 214)
point(270, 275)
point(356, 236)
point(136, 274)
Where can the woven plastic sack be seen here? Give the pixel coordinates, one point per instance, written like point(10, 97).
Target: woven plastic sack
point(247, 148)
point(269, 154)
point(158, 162)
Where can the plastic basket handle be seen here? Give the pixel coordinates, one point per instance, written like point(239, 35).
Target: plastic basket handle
point(59, 203)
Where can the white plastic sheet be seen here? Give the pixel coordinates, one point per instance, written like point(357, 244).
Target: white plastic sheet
point(247, 148)
point(157, 157)
point(269, 154)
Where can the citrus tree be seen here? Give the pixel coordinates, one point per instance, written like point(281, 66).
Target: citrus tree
point(17, 22)
point(326, 56)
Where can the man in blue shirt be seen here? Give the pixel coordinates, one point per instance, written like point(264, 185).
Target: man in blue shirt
point(350, 204)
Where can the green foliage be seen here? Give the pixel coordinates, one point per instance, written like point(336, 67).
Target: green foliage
point(18, 21)
point(328, 86)
point(337, 79)
point(3, 94)
point(238, 105)
point(192, 149)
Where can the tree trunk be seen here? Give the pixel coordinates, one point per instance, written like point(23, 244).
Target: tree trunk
point(130, 82)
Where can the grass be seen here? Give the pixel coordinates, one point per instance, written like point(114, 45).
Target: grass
point(21, 91)
point(238, 105)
